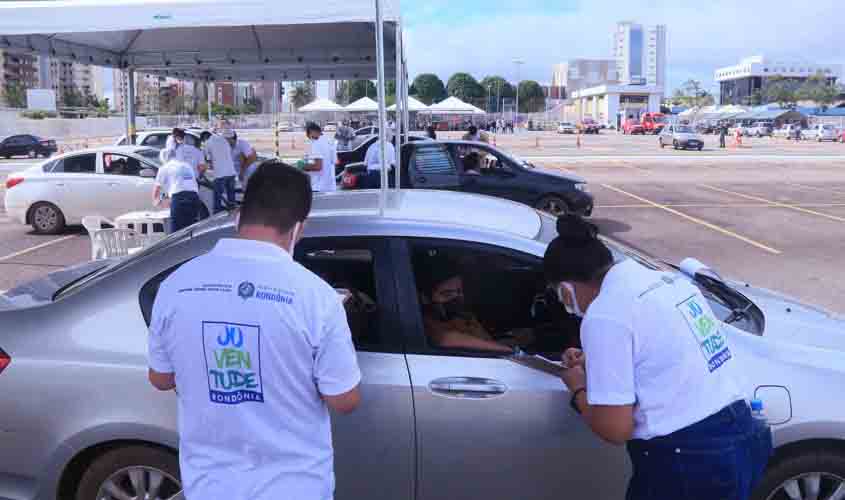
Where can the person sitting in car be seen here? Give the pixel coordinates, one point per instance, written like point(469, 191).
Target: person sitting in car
point(472, 164)
point(450, 324)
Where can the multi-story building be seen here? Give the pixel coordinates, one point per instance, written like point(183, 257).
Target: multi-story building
point(746, 83)
point(577, 74)
point(17, 69)
point(640, 53)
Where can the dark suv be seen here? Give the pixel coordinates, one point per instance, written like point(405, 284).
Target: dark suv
point(27, 145)
point(445, 165)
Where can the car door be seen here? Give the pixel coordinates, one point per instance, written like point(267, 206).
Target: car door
point(78, 189)
point(431, 166)
point(126, 189)
point(374, 446)
point(489, 427)
point(500, 177)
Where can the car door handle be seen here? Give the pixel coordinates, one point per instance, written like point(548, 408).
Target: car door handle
point(467, 387)
point(113, 183)
point(59, 184)
point(421, 180)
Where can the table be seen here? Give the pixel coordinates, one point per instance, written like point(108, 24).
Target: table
point(151, 226)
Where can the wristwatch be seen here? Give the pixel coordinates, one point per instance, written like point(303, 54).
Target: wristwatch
point(573, 400)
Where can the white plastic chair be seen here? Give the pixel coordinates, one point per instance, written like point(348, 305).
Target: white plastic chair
point(94, 224)
point(108, 243)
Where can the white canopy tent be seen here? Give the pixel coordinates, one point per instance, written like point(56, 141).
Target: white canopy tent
point(215, 40)
point(414, 105)
point(362, 105)
point(454, 106)
point(321, 105)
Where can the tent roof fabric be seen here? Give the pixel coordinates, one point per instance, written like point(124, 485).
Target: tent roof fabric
point(413, 105)
point(454, 106)
point(207, 39)
point(364, 104)
point(320, 105)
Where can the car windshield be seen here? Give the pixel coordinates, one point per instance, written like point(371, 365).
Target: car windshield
point(150, 154)
point(683, 130)
point(660, 119)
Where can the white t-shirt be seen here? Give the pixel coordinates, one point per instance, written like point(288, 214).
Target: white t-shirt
point(241, 148)
point(188, 154)
point(219, 155)
point(253, 339)
point(176, 176)
point(324, 180)
point(650, 338)
point(373, 157)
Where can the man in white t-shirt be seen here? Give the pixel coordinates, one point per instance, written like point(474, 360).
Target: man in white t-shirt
point(324, 155)
point(243, 157)
point(373, 161)
point(219, 155)
point(178, 181)
point(258, 358)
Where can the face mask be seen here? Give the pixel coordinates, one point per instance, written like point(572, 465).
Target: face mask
point(455, 308)
point(571, 305)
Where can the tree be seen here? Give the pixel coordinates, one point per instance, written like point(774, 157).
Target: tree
point(430, 88)
point(352, 90)
point(15, 95)
point(465, 87)
point(818, 89)
point(302, 95)
point(73, 99)
point(781, 91)
point(532, 99)
point(496, 87)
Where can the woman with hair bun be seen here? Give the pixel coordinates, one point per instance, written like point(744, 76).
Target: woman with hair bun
point(656, 373)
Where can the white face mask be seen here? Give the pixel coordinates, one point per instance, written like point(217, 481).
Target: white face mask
point(571, 305)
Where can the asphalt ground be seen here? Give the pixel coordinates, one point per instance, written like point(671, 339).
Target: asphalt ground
point(771, 213)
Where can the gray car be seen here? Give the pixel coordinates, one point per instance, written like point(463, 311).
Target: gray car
point(82, 422)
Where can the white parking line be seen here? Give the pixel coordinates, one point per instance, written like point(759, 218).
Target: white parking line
point(36, 247)
point(682, 157)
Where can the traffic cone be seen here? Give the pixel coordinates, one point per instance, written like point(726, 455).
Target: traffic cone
point(578, 140)
point(537, 142)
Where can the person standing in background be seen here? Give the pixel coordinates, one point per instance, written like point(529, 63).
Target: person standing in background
point(178, 181)
point(219, 155)
point(243, 157)
point(322, 160)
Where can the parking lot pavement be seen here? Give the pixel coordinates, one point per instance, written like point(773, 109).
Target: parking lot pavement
point(775, 218)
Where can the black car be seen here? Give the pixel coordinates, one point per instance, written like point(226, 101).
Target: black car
point(27, 145)
point(445, 165)
point(359, 150)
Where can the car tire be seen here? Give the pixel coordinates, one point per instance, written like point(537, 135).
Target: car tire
point(116, 465)
point(8, 157)
point(700, 148)
point(828, 465)
point(46, 218)
point(552, 205)
point(32, 154)
point(675, 144)
point(661, 143)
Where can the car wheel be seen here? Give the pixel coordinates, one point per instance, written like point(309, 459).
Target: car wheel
point(675, 144)
point(553, 205)
point(131, 472)
point(661, 143)
point(805, 475)
point(758, 135)
point(46, 218)
point(8, 157)
point(700, 148)
point(32, 154)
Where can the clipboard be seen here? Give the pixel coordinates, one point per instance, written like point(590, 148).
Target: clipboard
point(537, 362)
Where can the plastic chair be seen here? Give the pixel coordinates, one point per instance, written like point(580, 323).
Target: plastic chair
point(108, 243)
point(94, 224)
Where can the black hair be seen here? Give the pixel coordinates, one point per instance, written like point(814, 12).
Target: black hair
point(472, 129)
point(277, 196)
point(178, 133)
point(577, 254)
point(205, 135)
point(312, 127)
point(433, 272)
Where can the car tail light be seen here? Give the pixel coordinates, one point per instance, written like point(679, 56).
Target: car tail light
point(349, 181)
point(5, 359)
point(13, 181)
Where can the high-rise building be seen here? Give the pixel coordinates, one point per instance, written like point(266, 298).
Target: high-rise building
point(640, 54)
point(577, 74)
point(17, 69)
point(747, 82)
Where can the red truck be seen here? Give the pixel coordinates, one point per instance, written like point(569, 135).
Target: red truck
point(650, 123)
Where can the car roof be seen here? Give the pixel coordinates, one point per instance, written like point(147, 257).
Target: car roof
point(105, 149)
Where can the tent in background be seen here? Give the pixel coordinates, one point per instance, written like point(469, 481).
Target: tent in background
point(414, 105)
point(321, 105)
point(454, 106)
point(362, 105)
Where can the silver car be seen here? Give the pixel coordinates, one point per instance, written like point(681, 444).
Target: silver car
point(82, 422)
point(680, 137)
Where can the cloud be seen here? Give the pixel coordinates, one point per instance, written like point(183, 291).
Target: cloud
point(482, 38)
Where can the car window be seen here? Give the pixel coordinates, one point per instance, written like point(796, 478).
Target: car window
point(506, 302)
point(155, 140)
point(433, 159)
point(153, 155)
point(80, 164)
point(115, 164)
point(122, 142)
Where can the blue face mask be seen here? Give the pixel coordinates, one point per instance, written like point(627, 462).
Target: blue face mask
point(566, 296)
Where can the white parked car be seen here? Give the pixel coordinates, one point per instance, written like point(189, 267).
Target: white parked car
point(157, 138)
point(566, 128)
point(108, 181)
point(787, 131)
point(820, 133)
point(759, 129)
point(680, 137)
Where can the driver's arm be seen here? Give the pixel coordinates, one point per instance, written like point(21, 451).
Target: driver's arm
point(444, 336)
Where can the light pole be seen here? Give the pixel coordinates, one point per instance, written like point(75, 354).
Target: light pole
point(518, 63)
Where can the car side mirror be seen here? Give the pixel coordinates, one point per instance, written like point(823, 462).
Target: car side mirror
point(147, 173)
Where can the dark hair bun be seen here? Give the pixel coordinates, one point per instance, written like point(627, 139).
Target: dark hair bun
point(575, 231)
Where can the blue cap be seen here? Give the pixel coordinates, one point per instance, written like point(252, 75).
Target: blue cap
point(756, 405)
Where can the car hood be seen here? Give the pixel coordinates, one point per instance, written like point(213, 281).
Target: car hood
point(790, 320)
point(42, 290)
point(559, 174)
point(687, 137)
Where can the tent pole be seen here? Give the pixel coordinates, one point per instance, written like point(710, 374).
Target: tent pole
point(210, 88)
point(399, 106)
point(130, 106)
point(382, 132)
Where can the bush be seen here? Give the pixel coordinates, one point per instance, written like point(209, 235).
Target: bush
point(39, 115)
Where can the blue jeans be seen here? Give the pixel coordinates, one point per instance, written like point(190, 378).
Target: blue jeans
point(184, 210)
point(719, 458)
point(220, 184)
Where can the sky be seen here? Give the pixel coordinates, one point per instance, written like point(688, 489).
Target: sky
point(483, 37)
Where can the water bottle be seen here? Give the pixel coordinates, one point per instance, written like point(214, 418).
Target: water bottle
point(757, 411)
